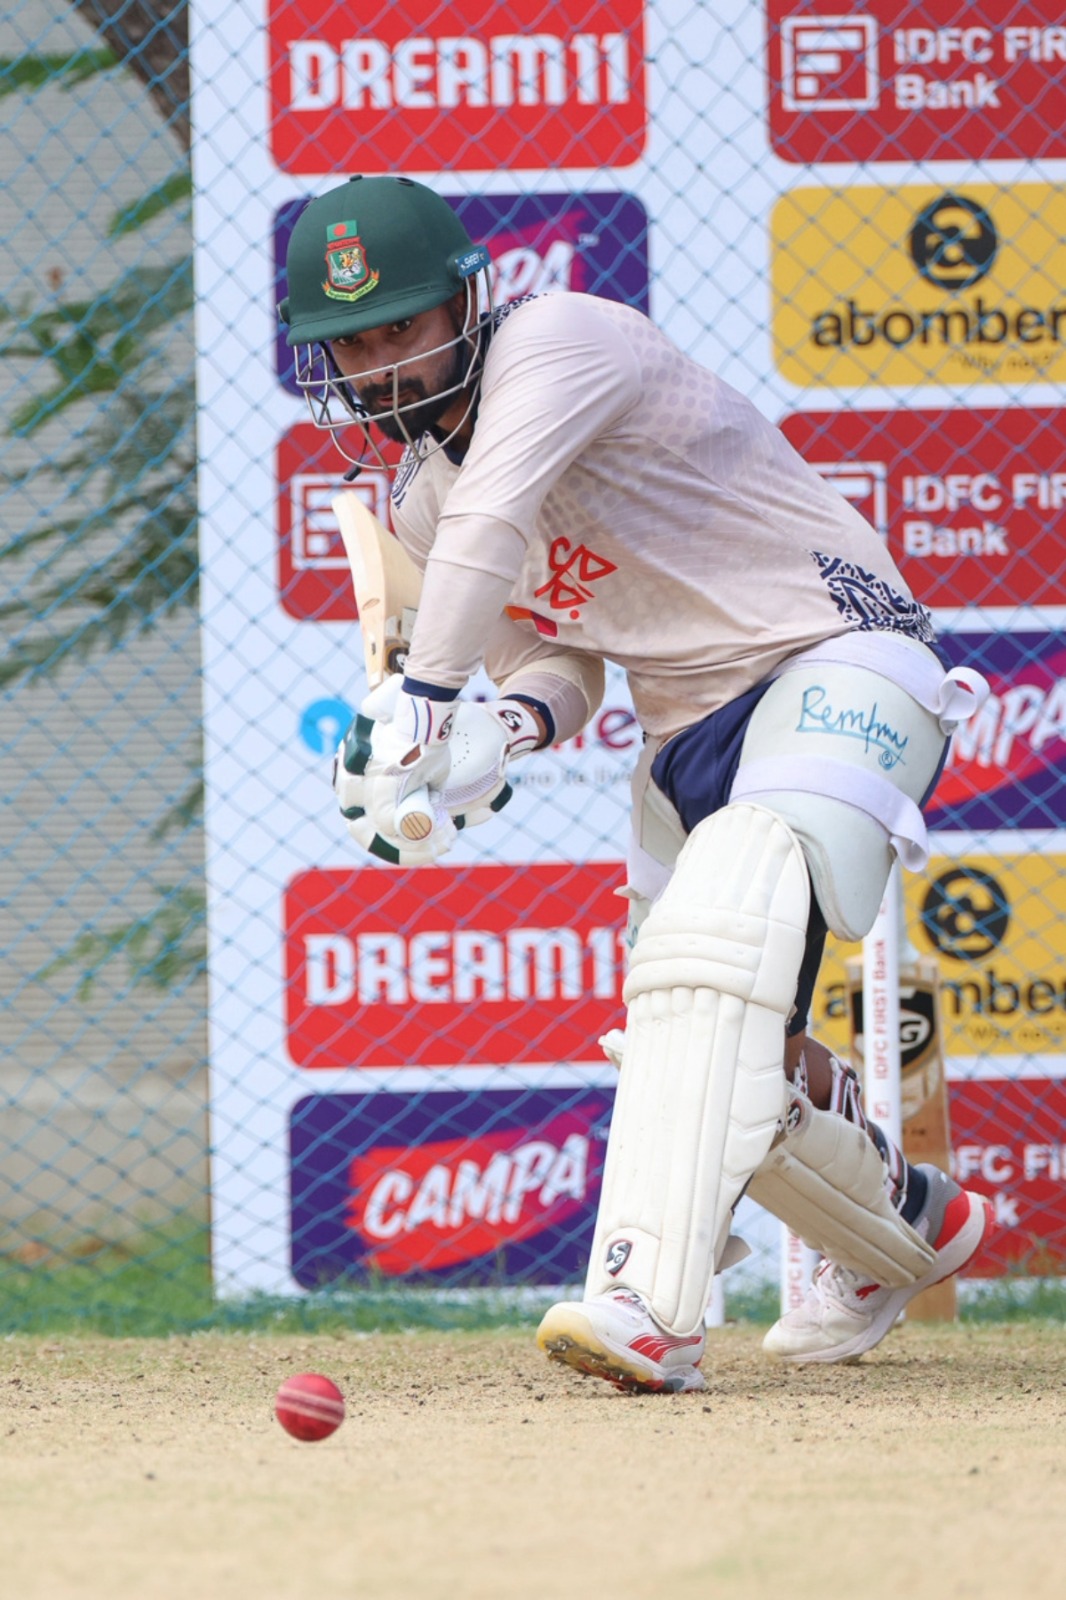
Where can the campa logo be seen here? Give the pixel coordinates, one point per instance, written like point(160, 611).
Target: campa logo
point(446, 965)
point(374, 95)
point(455, 1200)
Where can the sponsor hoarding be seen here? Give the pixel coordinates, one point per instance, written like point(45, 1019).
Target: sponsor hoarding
point(444, 965)
point(314, 577)
point(1007, 766)
point(1007, 1143)
point(499, 1186)
point(995, 925)
point(935, 82)
point(923, 283)
point(972, 503)
point(419, 85)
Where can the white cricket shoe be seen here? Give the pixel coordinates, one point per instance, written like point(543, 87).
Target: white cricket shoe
point(614, 1336)
point(845, 1314)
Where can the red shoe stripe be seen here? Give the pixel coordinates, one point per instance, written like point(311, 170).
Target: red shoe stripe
point(655, 1348)
point(956, 1216)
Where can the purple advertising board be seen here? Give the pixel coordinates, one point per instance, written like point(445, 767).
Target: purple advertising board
point(476, 1187)
point(1007, 766)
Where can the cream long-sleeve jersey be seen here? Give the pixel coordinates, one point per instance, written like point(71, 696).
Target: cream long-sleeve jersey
point(619, 501)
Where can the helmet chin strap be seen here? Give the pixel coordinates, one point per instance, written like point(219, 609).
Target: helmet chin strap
point(322, 383)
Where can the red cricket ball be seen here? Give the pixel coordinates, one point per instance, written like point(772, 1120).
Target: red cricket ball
point(309, 1406)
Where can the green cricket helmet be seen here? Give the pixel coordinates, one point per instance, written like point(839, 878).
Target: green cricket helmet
point(371, 252)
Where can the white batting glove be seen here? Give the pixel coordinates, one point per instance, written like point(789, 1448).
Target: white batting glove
point(485, 735)
point(407, 767)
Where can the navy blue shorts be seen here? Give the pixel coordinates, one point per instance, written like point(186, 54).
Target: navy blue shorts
point(695, 770)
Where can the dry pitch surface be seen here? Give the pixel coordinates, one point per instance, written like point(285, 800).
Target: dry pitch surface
point(468, 1467)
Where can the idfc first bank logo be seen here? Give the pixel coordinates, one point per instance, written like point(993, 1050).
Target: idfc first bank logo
point(937, 80)
point(358, 91)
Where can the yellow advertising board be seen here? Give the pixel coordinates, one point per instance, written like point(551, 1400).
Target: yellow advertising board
point(997, 926)
point(920, 284)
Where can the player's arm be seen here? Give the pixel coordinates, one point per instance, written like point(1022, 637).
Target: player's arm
point(564, 687)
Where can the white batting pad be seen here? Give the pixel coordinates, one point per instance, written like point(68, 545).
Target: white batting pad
point(711, 984)
point(826, 1181)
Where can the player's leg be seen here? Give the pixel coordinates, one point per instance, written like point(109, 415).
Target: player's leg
point(851, 1304)
point(701, 1095)
point(846, 755)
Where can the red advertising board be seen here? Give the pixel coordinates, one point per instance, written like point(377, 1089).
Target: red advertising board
point(972, 503)
point(453, 1199)
point(452, 965)
point(1007, 1143)
point(421, 86)
point(314, 578)
point(939, 81)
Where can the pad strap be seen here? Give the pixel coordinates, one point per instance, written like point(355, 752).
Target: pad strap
point(865, 791)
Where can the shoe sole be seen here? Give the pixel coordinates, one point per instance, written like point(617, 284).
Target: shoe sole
point(567, 1335)
point(954, 1256)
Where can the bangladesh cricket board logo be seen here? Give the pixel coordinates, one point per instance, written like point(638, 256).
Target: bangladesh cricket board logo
point(347, 275)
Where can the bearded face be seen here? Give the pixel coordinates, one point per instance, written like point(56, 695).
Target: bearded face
point(410, 404)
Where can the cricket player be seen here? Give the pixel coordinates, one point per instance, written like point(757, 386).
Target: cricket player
point(576, 490)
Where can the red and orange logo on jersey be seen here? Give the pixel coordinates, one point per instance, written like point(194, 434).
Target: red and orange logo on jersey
point(573, 570)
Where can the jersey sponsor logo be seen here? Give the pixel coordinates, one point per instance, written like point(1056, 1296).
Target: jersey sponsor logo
point(470, 1186)
point(919, 284)
point(373, 93)
point(447, 965)
point(574, 570)
point(543, 625)
point(969, 501)
point(961, 83)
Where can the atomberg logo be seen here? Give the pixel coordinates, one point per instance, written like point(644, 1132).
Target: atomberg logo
point(370, 92)
point(448, 965)
point(454, 1200)
point(917, 284)
point(953, 242)
point(966, 914)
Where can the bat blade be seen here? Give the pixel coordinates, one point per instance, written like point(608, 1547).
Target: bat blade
point(926, 1114)
point(388, 585)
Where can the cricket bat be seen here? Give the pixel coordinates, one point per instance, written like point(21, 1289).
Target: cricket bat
point(388, 587)
point(926, 1118)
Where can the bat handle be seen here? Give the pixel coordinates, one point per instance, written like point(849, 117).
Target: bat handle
point(414, 815)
